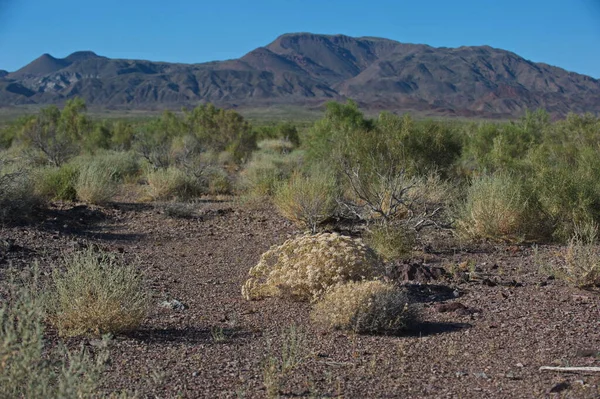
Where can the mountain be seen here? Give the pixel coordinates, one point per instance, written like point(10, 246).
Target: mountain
point(308, 69)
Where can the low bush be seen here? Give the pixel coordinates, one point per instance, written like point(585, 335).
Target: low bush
point(305, 267)
point(391, 241)
point(172, 183)
point(307, 200)
point(56, 183)
point(266, 171)
point(95, 295)
point(497, 207)
point(124, 166)
point(276, 146)
point(95, 183)
point(365, 307)
point(582, 258)
point(17, 197)
point(27, 368)
point(219, 182)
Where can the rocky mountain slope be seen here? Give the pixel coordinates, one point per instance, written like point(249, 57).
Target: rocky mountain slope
point(308, 69)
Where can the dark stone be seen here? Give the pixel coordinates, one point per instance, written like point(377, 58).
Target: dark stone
point(416, 272)
point(560, 387)
point(450, 307)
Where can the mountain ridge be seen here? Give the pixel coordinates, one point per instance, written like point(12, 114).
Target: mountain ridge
point(307, 69)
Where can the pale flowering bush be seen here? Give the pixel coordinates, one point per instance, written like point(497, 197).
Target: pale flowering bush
point(305, 267)
point(365, 307)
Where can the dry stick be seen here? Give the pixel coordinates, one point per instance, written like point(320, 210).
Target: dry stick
point(568, 369)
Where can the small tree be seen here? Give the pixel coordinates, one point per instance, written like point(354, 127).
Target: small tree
point(58, 134)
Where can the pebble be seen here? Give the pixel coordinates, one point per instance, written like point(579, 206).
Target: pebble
point(173, 304)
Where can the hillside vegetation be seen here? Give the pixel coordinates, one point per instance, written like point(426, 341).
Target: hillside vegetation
point(364, 198)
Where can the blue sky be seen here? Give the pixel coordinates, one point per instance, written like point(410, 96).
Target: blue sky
point(565, 33)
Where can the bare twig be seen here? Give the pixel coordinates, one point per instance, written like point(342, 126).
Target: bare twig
point(571, 369)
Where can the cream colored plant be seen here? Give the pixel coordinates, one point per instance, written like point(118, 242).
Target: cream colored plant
point(365, 307)
point(582, 258)
point(305, 267)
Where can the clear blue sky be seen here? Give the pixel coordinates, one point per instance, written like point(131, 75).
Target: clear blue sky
point(564, 33)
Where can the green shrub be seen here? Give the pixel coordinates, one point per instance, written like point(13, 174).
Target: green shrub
point(28, 369)
point(266, 171)
point(56, 183)
point(95, 183)
point(95, 294)
point(306, 266)
point(391, 241)
point(173, 183)
point(497, 207)
point(219, 182)
point(365, 307)
point(307, 200)
point(17, 197)
point(276, 146)
point(566, 182)
point(582, 258)
point(123, 166)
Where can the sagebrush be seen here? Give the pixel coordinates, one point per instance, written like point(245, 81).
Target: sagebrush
point(95, 294)
point(305, 267)
point(365, 307)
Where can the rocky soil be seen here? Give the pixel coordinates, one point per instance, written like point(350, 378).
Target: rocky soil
point(491, 315)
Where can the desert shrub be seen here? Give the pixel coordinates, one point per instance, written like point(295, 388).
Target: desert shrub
point(565, 179)
point(96, 294)
point(423, 146)
point(378, 182)
point(170, 183)
point(17, 197)
point(582, 258)
point(304, 267)
point(365, 307)
point(498, 207)
point(391, 241)
point(219, 182)
point(56, 183)
point(282, 131)
point(276, 146)
point(221, 130)
point(266, 171)
point(28, 369)
point(95, 183)
point(495, 147)
point(307, 200)
point(325, 136)
point(58, 134)
point(124, 166)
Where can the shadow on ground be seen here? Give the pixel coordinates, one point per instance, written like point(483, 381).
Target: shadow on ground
point(190, 335)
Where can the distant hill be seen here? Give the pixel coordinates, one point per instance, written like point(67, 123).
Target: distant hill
point(308, 69)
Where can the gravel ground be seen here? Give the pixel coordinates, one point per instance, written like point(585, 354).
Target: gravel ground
point(486, 329)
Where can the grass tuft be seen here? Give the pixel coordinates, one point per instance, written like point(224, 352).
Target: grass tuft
point(96, 295)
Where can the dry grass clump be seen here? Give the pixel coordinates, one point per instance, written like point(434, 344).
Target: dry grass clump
point(365, 307)
point(170, 183)
point(307, 200)
point(391, 241)
point(95, 294)
point(498, 208)
point(582, 258)
point(96, 183)
point(305, 267)
point(27, 369)
point(17, 198)
point(56, 183)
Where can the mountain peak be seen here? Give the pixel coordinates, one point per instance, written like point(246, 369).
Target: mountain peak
point(42, 65)
point(81, 56)
point(308, 69)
